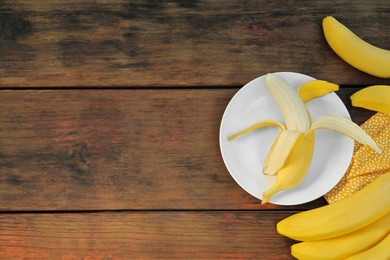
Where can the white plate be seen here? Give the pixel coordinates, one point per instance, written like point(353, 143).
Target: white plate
point(244, 156)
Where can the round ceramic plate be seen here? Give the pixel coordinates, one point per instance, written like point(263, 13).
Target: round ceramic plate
point(244, 156)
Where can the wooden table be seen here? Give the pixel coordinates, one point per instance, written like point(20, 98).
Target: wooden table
point(110, 113)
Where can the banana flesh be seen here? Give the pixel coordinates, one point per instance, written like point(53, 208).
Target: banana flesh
point(279, 152)
point(342, 217)
point(341, 247)
point(381, 251)
point(293, 109)
point(355, 51)
point(374, 98)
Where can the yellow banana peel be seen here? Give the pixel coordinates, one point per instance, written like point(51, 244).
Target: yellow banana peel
point(352, 213)
point(258, 125)
point(316, 88)
point(295, 168)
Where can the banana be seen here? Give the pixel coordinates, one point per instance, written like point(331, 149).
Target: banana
point(291, 154)
point(342, 217)
point(355, 51)
point(373, 98)
point(341, 247)
point(378, 252)
point(297, 120)
point(316, 88)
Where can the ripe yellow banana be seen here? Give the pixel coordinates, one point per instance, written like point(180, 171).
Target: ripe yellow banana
point(341, 247)
point(352, 213)
point(373, 98)
point(290, 155)
point(381, 251)
point(355, 51)
point(316, 88)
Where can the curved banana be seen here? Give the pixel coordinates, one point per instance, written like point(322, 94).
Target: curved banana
point(355, 51)
point(374, 98)
point(341, 247)
point(378, 252)
point(343, 217)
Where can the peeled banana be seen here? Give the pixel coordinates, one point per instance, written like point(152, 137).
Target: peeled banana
point(341, 247)
point(290, 156)
point(373, 98)
point(280, 151)
point(355, 51)
point(294, 111)
point(342, 217)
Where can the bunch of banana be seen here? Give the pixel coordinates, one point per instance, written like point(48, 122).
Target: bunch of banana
point(355, 51)
point(344, 229)
point(291, 153)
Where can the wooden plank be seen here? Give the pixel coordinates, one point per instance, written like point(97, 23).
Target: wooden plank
point(145, 235)
point(177, 43)
point(118, 149)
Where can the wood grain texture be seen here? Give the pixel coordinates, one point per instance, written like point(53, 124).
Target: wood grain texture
point(177, 43)
point(118, 149)
point(143, 235)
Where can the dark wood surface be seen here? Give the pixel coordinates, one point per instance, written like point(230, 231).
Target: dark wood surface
point(117, 149)
point(143, 235)
point(184, 43)
point(110, 113)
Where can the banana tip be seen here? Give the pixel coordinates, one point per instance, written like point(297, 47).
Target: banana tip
point(265, 199)
point(329, 17)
